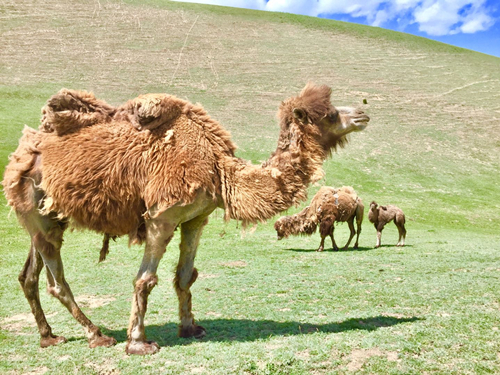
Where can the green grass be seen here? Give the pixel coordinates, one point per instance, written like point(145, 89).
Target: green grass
point(275, 307)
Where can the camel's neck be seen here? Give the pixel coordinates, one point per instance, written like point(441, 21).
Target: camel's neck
point(256, 193)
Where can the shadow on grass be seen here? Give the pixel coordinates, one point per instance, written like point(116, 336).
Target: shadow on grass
point(361, 248)
point(228, 330)
point(329, 250)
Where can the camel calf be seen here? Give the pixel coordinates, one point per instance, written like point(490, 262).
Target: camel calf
point(381, 215)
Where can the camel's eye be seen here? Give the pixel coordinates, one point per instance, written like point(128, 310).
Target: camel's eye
point(333, 116)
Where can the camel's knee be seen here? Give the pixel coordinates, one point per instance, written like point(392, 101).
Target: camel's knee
point(184, 279)
point(58, 290)
point(144, 286)
point(47, 245)
point(29, 275)
point(29, 284)
point(23, 275)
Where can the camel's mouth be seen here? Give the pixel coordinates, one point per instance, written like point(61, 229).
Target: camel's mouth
point(360, 122)
point(353, 119)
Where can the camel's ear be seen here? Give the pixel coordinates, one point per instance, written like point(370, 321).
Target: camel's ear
point(300, 114)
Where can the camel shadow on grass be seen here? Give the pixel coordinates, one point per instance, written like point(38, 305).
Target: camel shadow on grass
point(241, 330)
point(361, 248)
point(329, 250)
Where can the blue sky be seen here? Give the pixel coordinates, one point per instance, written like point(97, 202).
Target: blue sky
point(471, 24)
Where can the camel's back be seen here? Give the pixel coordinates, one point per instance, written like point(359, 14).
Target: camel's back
point(346, 206)
point(390, 212)
point(339, 202)
point(106, 176)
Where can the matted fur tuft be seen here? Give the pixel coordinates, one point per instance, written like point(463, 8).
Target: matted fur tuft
point(150, 111)
point(70, 110)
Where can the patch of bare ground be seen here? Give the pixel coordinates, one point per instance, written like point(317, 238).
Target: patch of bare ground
point(37, 371)
point(202, 275)
point(235, 264)
point(93, 302)
point(359, 357)
point(18, 322)
point(103, 368)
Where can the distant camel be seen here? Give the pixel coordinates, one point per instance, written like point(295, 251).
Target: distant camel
point(328, 206)
point(143, 169)
point(381, 215)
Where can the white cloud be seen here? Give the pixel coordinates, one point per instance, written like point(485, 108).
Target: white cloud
point(434, 17)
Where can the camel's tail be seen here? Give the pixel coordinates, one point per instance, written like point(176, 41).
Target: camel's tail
point(18, 178)
point(360, 211)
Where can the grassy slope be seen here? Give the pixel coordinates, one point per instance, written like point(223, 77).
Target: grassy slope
point(432, 148)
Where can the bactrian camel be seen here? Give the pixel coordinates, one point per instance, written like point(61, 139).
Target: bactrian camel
point(145, 168)
point(381, 215)
point(329, 205)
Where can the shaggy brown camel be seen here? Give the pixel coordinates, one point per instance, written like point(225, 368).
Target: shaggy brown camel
point(381, 215)
point(328, 206)
point(155, 164)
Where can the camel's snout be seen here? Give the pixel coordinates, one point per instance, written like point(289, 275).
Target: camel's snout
point(360, 120)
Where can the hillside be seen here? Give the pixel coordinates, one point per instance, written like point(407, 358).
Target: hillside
point(433, 141)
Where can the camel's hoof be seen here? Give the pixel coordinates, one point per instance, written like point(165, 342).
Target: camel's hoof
point(102, 340)
point(142, 347)
point(320, 250)
point(335, 249)
point(195, 331)
point(45, 342)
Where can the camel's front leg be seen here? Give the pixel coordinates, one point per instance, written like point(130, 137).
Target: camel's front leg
point(322, 244)
point(158, 235)
point(379, 228)
point(326, 228)
point(186, 275)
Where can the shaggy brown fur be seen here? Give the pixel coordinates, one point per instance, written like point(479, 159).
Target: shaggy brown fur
point(381, 215)
point(328, 206)
point(70, 110)
point(143, 169)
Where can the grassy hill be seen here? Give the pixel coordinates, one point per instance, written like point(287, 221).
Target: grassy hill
point(432, 148)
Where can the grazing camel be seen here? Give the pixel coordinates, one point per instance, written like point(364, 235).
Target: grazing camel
point(381, 215)
point(328, 206)
point(143, 169)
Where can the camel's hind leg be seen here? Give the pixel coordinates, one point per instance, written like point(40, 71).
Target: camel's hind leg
point(28, 278)
point(49, 246)
point(350, 222)
point(360, 211)
point(400, 223)
point(186, 275)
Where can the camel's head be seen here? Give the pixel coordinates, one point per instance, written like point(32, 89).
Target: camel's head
point(312, 109)
point(373, 206)
point(280, 227)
